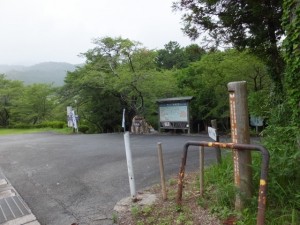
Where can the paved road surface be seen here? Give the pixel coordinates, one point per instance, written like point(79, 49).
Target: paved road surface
point(79, 178)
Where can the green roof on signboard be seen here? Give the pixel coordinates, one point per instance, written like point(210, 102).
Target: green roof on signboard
point(176, 99)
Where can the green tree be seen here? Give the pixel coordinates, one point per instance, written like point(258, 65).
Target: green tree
point(161, 84)
point(10, 91)
point(98, 106)
point(282, 135)
point(244, 24)
point(123, 75)
point(35, 105)
point(207, 80)
point(194, 52)
point(118, 74)
point(172, 56)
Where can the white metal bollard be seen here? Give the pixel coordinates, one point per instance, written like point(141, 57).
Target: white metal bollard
point(129, 166)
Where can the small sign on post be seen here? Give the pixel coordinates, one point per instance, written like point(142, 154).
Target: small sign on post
point(256, 121)
point(212, 133)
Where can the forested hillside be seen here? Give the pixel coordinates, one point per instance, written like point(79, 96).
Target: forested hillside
point(48, 72)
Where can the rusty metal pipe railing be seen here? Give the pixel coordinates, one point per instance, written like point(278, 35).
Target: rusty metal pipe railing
point(262, 196)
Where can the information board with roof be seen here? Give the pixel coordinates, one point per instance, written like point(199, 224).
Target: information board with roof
point(174, 113)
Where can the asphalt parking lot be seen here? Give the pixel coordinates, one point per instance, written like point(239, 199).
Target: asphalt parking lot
point(79, 178)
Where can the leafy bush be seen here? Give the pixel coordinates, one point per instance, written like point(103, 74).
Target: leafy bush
point(83, 129)
point(20, 126)
point(284, 172)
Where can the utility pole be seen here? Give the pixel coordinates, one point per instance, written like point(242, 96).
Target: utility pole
point(239, 120)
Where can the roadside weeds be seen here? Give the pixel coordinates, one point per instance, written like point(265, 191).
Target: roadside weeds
point(192, 212)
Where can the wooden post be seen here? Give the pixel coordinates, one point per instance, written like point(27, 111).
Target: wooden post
point(218, 150)
point(201, 165)
point(162, 171)
point(239, 120)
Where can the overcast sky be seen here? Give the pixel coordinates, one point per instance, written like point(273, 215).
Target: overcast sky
point(34, 31)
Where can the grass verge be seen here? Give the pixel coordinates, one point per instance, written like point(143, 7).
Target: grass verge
point(6, 131)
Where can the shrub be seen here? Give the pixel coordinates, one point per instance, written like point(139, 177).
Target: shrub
point(83, 129)
point(284, 172)
point(20, 126)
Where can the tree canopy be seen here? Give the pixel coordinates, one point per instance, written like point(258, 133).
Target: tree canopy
point(9, 92)
point(173, 56)
point(207, 80)
point(243, 24)
point(119, 73)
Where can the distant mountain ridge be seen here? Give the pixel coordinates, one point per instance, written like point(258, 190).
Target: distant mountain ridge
point(46, 72)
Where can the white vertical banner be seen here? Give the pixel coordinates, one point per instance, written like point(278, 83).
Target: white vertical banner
point(69, 116)
point(74, 120)
point(123, 119)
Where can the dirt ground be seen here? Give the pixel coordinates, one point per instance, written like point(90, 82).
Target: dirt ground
point(152, 209)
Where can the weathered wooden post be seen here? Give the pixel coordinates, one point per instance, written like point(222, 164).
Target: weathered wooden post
point(162, 171)
point(239, 120)
point(201, 167)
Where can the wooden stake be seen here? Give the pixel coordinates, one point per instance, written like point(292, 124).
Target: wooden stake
point(162, 171)
point(239, 120)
